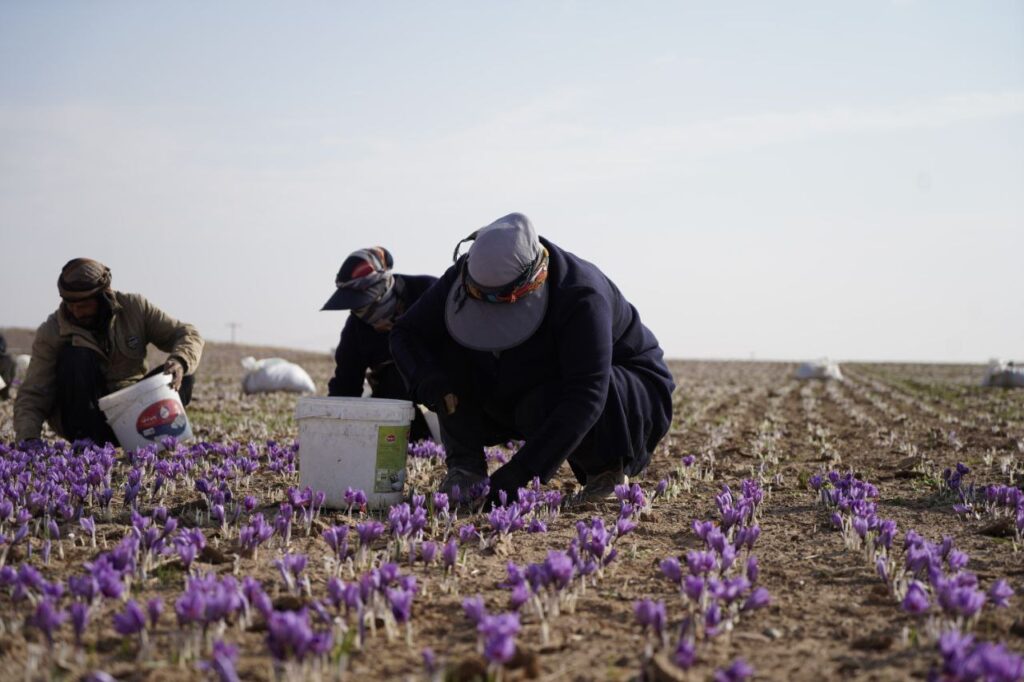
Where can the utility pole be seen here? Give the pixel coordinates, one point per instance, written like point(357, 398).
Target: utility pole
point(234, 326)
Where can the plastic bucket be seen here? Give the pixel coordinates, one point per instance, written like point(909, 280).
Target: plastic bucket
point(145, 413)
point(355, 443)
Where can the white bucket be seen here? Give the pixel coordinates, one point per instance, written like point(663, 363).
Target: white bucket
point(146, 412)
point(353, 442)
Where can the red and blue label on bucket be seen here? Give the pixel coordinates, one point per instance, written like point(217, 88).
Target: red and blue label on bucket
point(161, 419)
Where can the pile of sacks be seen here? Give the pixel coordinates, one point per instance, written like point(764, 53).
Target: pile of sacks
point(1003, 374)
point(275, 374)
point(819, 369)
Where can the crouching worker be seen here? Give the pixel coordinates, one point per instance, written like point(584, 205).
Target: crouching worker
point(376, 297)
point(95, 344)
point(521, 339)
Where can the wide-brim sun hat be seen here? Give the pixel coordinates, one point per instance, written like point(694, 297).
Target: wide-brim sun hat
point(357, 282)
point(500, 296)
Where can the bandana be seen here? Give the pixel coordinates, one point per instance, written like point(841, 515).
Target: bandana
point(530, 280)
point(82, 278)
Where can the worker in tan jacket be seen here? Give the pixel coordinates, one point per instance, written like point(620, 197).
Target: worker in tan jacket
point(95, 344)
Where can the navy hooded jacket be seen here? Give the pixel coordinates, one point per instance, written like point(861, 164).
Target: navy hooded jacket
point(362, 347)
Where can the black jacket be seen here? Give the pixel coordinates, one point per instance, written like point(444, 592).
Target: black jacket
point(362, 348)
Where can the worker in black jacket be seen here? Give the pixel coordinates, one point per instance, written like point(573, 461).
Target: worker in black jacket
point(521, 339)
point(376, 297)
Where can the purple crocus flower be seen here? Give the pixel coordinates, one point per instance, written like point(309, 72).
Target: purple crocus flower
point(368, 532)
point(474, 608)
point(467, 533)
point(79, 620)
point(48, 618)
point(154, 607)
point(693, 587)
point(131, 621)
point(450, 553)
point(685, 654)
point(289, 635)
point(916, 600)
point(737, 672)
point(758, 598)
point(960, 600)
point(520, 595)
point(712, 619)
point(1000, 593)
point(560, 568)
point(753, 569)
point(537, 526)
point(700, 562)
point(671, 569)
point(428, 552)
point(401, 604)
point(650, 614)
point(222, 662)
point(499, 633)
point(429, 660)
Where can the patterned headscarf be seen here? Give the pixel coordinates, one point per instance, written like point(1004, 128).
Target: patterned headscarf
point(374, 277)
point(83, 278)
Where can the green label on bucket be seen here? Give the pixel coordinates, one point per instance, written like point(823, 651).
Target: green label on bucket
point(392, 442)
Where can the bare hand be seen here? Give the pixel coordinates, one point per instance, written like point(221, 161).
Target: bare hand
point(450, 403)
point(174, 367)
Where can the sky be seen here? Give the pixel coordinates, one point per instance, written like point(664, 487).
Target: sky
point(784, 180)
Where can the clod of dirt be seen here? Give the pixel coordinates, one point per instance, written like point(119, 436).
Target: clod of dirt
point(879, 641)
point(527, 661)
point(212, 555)
point(1017, 628)
point(1000, 528)
point(289, 602)
point(470, 669)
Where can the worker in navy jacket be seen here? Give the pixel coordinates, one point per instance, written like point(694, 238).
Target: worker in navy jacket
point(522, 339)
point(376, 297)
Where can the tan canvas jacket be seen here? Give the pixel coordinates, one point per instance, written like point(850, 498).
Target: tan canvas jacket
point(135, 323)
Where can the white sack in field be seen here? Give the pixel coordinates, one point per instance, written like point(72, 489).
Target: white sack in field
point(20, 368)
point(275, 374)
point(1003, 374)
point(819, 369)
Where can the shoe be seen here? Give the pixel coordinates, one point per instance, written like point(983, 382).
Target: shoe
point(601, 487)
point(464, 479)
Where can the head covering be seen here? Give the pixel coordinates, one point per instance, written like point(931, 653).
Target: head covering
point(499, 299)
point(82, 278)
point(365, 279)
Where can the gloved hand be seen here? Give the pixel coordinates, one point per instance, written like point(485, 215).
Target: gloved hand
point(510, 478)
point(435, 392)
point(176, 369)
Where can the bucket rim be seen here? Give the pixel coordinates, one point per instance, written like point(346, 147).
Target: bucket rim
point(329, 407)
point(148, 384)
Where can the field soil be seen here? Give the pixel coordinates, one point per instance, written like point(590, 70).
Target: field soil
point(830, 617)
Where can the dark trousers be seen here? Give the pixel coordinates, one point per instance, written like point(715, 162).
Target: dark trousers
point(479, 423)
point(386, 382)
point(81, 384)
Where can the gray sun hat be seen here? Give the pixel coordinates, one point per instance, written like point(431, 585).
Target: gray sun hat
point(506, 256)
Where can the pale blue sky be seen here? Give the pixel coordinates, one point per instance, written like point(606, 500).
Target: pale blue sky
point(785, 179)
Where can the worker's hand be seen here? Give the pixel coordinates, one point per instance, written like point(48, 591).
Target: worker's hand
point(509, 478)
point(176, 369)
point(451, 403)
